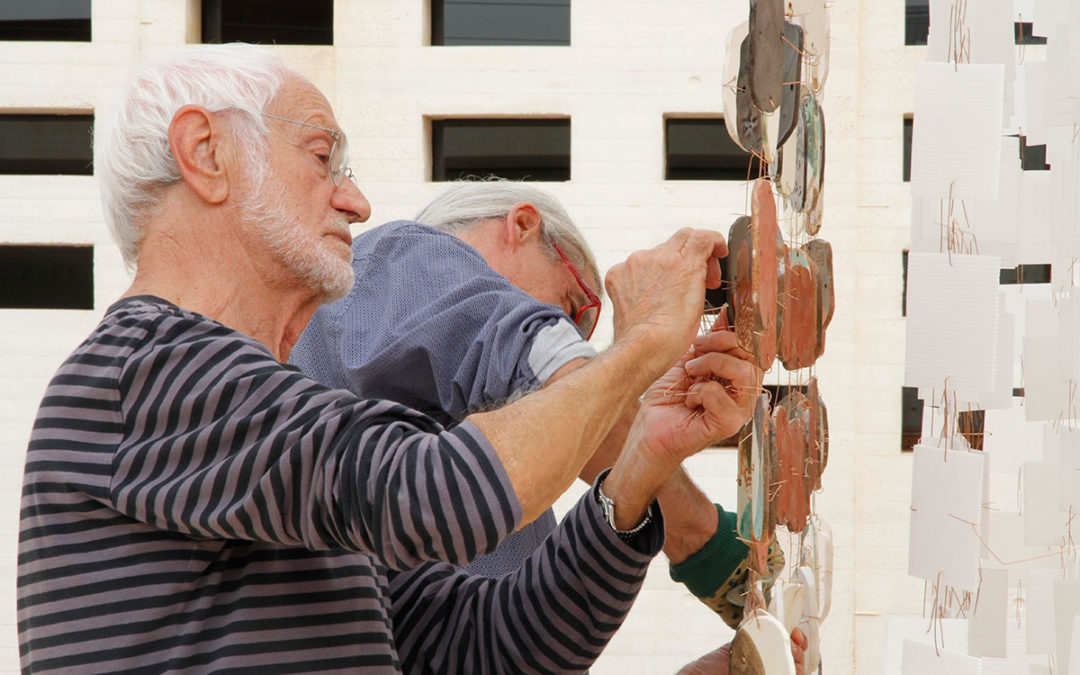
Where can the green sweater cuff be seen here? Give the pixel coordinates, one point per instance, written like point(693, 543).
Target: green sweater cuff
point(705, 571)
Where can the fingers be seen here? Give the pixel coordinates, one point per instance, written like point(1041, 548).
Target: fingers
point(717, 400)
point(713, 273)
point(720, 341)
point(799, 638)
point(700, 243)
point(722, 364)
point(799, 644)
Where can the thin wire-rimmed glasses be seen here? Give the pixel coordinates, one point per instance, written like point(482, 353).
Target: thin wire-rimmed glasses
point(588, 315)
point(339, 150)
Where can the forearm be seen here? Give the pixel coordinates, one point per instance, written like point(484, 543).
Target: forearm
point(612, 445)
point(545, 439)
point(556, 613)
point(690, 518)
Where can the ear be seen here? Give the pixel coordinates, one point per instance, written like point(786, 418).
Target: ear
point(200, 149)
point(522, 224)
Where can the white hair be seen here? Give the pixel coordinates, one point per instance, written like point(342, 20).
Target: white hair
point(465, 204)
point(135, 162)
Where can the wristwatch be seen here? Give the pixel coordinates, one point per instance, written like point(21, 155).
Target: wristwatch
point(607, 507)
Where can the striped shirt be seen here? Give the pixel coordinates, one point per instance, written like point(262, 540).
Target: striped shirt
point(190, 504)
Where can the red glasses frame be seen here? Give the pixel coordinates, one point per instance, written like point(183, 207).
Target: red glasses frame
point(590, 318)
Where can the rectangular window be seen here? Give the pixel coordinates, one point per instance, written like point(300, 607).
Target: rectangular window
point(970, 424)
point(283, 22)
point(46, 277)
point(702, 149)
point(517, 149)
point(1022, 32)
point(916, 21)
point(911, 418)
point(52, 20)
point(1025, 274)
point(1032, 157)
point(500, 22)
point(909, 129)
point(46, 144)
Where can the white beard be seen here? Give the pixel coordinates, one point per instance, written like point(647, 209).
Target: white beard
point(322, 270)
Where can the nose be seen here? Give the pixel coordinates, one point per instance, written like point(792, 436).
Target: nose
point(348, 199)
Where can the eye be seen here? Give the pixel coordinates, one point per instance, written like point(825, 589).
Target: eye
point(323, 157)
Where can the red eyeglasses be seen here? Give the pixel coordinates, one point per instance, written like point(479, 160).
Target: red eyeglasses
point(587, 316)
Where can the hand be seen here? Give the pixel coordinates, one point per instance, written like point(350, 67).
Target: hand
point(799, 644)
point(707, 396)
point(660, 292)
point(718, 661)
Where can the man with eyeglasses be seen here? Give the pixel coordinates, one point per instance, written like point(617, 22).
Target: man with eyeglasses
point(469, 306)
point(190, 503)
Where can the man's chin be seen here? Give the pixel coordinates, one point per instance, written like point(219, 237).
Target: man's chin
point(337, 287)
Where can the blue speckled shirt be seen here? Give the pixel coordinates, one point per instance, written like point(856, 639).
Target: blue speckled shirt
point(429, 324)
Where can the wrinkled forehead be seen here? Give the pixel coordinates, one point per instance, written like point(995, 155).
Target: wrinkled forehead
point(301, 100)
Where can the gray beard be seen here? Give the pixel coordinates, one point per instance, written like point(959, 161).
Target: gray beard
point(320, 270)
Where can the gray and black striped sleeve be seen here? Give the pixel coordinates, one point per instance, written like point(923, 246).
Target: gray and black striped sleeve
point(555, 614)
point(214, 439)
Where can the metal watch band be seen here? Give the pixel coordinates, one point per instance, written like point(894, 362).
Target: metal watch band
point(607, 507)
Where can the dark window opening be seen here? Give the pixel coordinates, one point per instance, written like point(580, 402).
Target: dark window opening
point(52, 21)
point(970, 424)
point(911, 418)
point(1022, 33)
point(916, 21)
point(282, 22)
point(46, 144)
point(500, 22)
point(909, 129)
point(1032, 157)
point(46, 277)
point(715, 298)
point(516, 149)
point(777, 392)
point(702, 149)
point(1025, 274)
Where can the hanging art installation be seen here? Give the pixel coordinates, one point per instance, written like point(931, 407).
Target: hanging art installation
point(779, 303)
point(993, 312)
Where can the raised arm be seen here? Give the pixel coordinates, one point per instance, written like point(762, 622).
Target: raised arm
point(658, 295)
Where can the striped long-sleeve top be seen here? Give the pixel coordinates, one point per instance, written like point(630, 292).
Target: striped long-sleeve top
point(190, 504)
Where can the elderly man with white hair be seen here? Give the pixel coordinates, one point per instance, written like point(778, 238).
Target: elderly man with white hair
point(190, 503)
point(490, 293)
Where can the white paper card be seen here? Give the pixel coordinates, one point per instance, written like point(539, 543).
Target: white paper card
point(1062, 445)
point(1066, 606)
point(955, 145)
point(952, 635)
point(922, 660)
point(1010, 440)
point(1001, 397)
point(1048, 394)
point(946, 497)
point(952, 322)
point(1007, 544)
point(996, 224)
point(1074, 647)
point(1044, 522)
point(1039, 610)
point(986, 631)
point(1036, 243)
